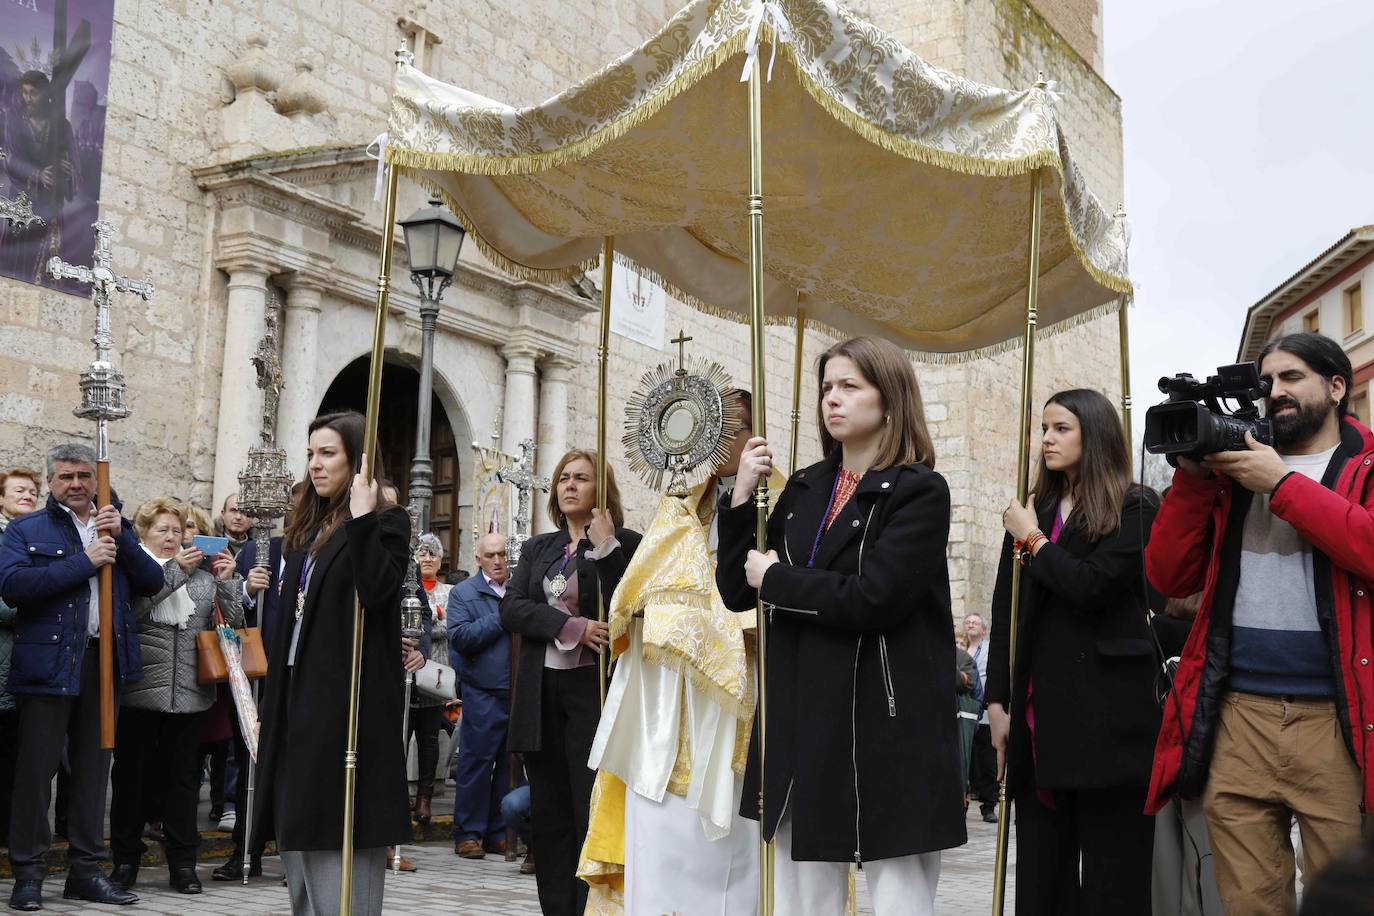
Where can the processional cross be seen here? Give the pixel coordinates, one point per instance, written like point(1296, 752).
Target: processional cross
point(102, 400)
point(521, 476)
point(264, 496)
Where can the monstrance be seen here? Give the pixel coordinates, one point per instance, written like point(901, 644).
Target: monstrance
point(680, 422)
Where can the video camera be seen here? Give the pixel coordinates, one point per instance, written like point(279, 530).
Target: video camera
point(1192, 423)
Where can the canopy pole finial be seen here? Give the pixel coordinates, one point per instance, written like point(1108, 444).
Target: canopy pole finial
point(1041, 81)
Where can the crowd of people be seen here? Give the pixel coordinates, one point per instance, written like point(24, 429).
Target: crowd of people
point(1188, 675)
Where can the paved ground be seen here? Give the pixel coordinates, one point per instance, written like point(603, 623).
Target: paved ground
point(448, 886)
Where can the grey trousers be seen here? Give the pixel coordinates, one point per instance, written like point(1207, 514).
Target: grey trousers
point(47, 724)
point(1184, 881)
point(312, 880)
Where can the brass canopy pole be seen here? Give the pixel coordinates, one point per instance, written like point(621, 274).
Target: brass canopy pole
point(999, 889)
point(374, 397)
point(603, 349)
point(797, 383)
point(1123, 324)
point(760, 420)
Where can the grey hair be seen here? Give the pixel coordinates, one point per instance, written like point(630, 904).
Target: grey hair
point(69, 453)
point(430, 543)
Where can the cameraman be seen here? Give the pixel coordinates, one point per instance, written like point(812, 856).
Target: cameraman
point(1271, 714)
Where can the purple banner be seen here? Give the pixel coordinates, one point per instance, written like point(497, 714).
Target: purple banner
point(54, 79)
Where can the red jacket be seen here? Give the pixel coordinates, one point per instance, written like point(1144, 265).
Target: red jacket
point(1195, 546)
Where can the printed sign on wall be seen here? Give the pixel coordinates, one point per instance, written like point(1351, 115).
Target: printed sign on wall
point(638, 307)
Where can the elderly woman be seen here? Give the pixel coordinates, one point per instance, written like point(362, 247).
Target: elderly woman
point(161, 716)
point(18, 496)
point(426, 713)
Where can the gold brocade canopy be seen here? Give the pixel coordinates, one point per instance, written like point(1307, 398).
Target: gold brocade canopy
point(896, 194)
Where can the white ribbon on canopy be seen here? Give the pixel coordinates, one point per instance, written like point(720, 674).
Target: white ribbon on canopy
point(769, 10)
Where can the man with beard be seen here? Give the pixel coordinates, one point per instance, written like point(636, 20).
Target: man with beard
point(39, 163)
point(1271, 715)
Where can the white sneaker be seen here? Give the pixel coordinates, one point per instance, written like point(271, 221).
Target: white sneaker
point(227, 822)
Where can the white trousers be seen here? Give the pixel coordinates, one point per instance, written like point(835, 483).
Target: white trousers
point(904, 886)
point(671, 867)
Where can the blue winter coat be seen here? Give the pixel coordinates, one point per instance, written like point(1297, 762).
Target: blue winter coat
point(475, 634)
point(44, 573)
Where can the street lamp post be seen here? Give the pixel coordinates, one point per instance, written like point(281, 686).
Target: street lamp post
point(434, 239)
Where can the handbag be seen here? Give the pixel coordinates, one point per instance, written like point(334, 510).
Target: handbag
point(437, 681)
point(213, 669)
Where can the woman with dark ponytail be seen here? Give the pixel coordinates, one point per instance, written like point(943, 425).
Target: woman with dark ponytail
point(1079, 737)
point(345, 540)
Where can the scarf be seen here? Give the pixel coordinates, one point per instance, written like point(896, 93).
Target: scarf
point(175, 609)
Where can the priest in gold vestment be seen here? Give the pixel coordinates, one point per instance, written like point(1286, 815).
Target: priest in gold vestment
point(665, 834)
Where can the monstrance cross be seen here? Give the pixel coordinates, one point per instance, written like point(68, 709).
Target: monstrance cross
point(681, 340)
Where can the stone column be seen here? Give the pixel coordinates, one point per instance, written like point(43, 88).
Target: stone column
point(240, 401)
point(300, 398)
point(553, 428)
point(517, 418)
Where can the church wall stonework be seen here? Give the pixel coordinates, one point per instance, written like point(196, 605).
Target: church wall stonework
point(168, 101)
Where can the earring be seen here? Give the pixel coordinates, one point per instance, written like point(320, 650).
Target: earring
point(886, 417)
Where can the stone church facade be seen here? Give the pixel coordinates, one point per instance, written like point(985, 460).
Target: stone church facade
point(236, 170)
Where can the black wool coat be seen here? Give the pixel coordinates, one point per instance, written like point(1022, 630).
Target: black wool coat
point(1083, 639)
point(524, 613)
point(862, 740)
point(304, 709)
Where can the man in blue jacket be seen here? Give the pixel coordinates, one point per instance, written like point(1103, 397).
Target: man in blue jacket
point(49, 562)
point(475, 634)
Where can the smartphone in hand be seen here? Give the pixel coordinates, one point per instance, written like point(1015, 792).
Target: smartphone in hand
point(211, 547)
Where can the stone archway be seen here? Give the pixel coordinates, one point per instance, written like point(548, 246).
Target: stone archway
point(396, 443)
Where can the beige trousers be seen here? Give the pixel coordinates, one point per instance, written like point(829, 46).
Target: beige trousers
point(1277, 758)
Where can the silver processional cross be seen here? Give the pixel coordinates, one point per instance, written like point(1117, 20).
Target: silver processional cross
point(521, 476)
point(102, 385)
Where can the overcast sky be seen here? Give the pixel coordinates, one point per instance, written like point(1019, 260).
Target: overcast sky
point(1249, 142)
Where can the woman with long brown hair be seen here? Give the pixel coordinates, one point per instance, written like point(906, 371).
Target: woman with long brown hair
point(551, 601)
point(345, 542)
point(1081, 743)
point(862, 753)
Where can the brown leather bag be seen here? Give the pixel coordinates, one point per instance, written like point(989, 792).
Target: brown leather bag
point(214, 669)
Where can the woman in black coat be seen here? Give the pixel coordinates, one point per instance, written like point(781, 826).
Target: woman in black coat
point(551, 602)
point(343, 540)
point(1085, 660)
point(862, 754)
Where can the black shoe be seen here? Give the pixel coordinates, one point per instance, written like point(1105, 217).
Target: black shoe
point(184, 880)
point(97, 889)
point(233, 869)
point(124, 876)
point(27, 895)
point(990, 815)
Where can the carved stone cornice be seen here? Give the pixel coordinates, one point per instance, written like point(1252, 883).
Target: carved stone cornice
point(296, 186)
point(252, 251)
point(245, 184)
